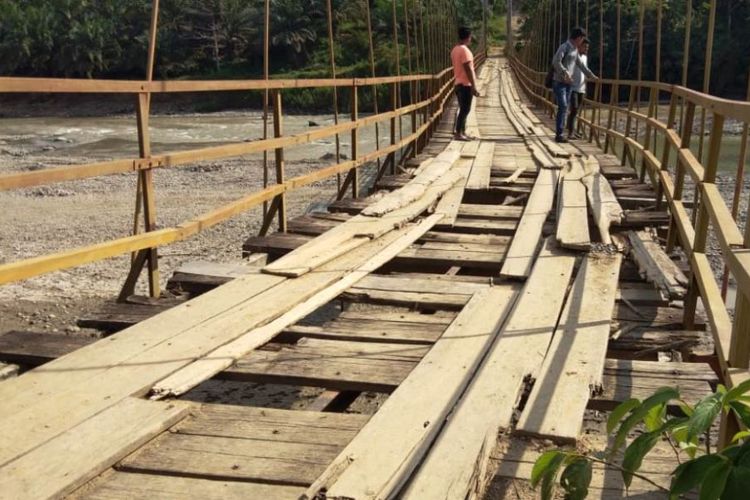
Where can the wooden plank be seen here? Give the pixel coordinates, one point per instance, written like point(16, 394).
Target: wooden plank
point(605, 207)
point(644, 340)
point(656, 266)
point(457, 462)
point(573, 366)
point(479, 178)
point(332, 364)
point(212, 363)
point(523, 248)
point(371, 466)
point(371, 330)
point(406, 283)
point(127, 485)
point(448, 258)
point(115, 316)
point(73, 458)
point(469, 211)
point(436, 317)
point(449, 205)
point(35, 348)
point(421, 300)
point(572, 216)
point(416, 188)
point(360, 229)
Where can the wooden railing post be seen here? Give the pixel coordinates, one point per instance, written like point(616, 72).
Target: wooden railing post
point(628, 124)
point(679, 180)
point(394, 107)
point(667, 147)
point(145, 194)
point(278, 205)
point(701, 224)
point(652, 98)
point(739, 348)
point(353, 176)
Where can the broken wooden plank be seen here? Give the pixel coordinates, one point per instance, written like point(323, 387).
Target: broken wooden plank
point(605, 206)
point(415, 189)
point(457, 462)
point(449, 205)
point(71, 459)
point(574, 364)
point(524, 246)
point(373, 467)
point(572, 215)
point(656, 266)
point(361, 228)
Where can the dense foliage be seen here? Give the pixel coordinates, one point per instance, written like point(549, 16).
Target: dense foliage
point(109, 38)
point(731, 55)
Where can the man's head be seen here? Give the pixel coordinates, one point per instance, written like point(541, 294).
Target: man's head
point(464, 34)
point(584, 48)
point(577, 36)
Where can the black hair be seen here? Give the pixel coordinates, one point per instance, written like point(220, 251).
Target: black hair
point(577, 33)
point(586, 41)
point(464, 33)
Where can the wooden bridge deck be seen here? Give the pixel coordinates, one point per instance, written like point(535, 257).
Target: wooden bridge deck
point(520, 329)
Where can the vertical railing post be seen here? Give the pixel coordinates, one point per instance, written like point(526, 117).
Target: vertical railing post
point(647, 140)
point(354, 173)
point(394, 107)
point(701, 224)
point(628, 123)
point(266, 48)
point(667, 147)
point(679, 178)
point(145, 194)
point(278, 131)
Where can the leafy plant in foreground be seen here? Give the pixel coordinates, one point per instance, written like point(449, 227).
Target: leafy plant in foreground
point(724, 474)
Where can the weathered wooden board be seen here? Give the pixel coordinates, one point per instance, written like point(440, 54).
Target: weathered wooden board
point(572, 215)
point(525, 244)
point(69, 460)
point(245, 443)
point(573, 366)
point(332, 364)
point(117, 485)
point(479, 178)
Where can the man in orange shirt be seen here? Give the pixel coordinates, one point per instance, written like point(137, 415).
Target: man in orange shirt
point(465, 81)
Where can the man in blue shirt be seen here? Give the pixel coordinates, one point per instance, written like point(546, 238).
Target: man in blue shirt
point(565, 60)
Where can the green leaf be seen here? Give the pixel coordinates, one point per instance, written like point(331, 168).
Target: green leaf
point(740, 435)
point(635, 452)
point(737, 391)
point(548, 479)
point(738, 484)
point(544, 464)
point(689, 475)
point(661, 396)
point(704, 415)
point(576, 479)
point(654, 419)
point(715, 480)
point(742, 411)
point(619, 412)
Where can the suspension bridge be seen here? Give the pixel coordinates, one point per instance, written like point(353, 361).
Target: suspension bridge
point(499, 297)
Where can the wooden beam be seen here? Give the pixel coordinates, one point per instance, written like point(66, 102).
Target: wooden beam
point(656, 266)
point(604, 205)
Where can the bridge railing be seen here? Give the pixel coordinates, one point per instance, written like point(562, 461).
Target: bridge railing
point(660, 145)
point(425, 113)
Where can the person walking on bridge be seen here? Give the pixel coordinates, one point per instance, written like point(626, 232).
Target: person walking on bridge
point(566, 59)
point(579, 91)
point(465, 81)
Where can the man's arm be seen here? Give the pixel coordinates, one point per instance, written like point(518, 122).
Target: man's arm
point(469, 68)
point(557, 63)
point(586, 71)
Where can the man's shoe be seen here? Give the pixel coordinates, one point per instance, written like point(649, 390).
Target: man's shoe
point(560, 138)
point(574, 136)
